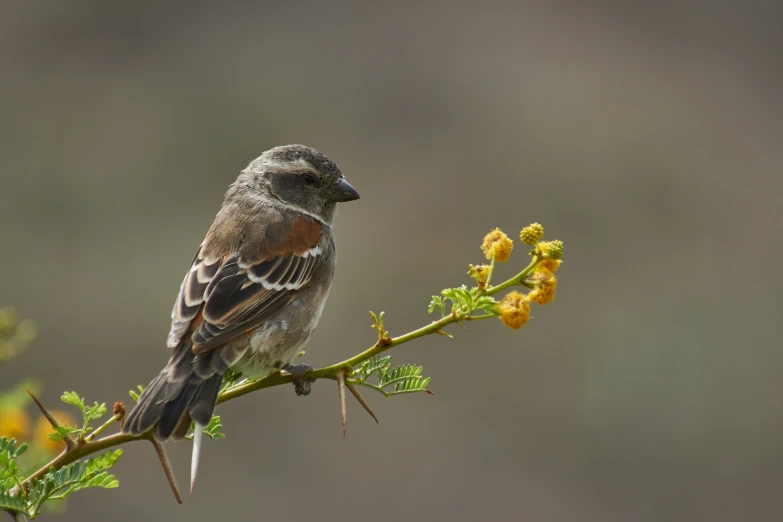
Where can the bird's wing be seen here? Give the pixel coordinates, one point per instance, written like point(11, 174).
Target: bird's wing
point(225, 296)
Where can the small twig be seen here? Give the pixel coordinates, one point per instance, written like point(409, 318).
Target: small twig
point(341, 394)
point(479, 317)
point(81, 451)
point(361, 400)
point(164, 461)
point(70, 444)
point(103, 426)
point(489, 274)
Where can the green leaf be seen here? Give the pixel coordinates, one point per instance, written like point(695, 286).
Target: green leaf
point(61, 431)
point(15, 503)
point(212, 430)
point(230, 378)
point(74, 400)
point(401, 373)
point(437, 302)
point(95, 412)
point(58, 484)
point(104, 461)
point(89, 413)
point(412, 385)
point(372, 365)
point(9, 470)
point(135, 396)
point(403, 379)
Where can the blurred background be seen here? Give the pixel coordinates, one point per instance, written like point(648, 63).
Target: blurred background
point(646, 136)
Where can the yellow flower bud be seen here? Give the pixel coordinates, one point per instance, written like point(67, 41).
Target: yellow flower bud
point(497, 244)
point(14, 423)
point(514, 310)
point(479, 272)
point(532, 234)
point(43, 428)
point(551, 252)
point(552, 249)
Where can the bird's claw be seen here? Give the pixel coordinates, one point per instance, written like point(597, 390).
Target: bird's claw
point(298, 372)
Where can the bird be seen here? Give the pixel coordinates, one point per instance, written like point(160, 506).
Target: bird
point(253, 293)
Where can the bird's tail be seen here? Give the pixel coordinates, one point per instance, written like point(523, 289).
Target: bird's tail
point(185, 390)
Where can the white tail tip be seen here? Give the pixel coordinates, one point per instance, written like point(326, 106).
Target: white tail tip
point(197, 437)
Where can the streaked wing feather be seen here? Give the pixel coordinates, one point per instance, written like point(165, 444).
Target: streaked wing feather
point(238, 292)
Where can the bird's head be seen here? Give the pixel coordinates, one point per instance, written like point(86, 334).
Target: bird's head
point(301, 178)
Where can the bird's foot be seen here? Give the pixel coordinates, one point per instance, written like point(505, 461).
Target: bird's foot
point(298, 372)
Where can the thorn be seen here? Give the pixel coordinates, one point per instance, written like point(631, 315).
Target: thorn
point(361, 400)
point(70, 444)
point(341, 394)
point(441, 332)
point(164, 461)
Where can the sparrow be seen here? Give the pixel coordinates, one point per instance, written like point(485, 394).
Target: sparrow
point(253, 293)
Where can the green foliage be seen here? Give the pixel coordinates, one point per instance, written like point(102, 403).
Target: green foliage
point(135, 395)
point(61, 431)
point(211, 430)
point(9, 469)
point(463, 301)
point(12, 503)
point(55, 484)
point(372, 365)
point(231, 379)
point(59, 484)
point(391, 381)
point(377, 325)
point(89, 414)
point(437, 302)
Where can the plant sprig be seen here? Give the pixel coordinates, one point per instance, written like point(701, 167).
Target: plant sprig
point(67, 474)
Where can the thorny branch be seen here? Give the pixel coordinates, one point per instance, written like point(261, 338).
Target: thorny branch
point(340, 372)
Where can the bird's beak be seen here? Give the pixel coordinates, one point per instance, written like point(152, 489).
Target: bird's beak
point(343, 191)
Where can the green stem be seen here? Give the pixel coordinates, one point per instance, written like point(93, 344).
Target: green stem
point(371, 386)
point(491, 271)
point(479, 317)
point(105, 425)
point(517, 279)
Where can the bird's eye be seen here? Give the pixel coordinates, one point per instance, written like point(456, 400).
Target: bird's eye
point(309, 179)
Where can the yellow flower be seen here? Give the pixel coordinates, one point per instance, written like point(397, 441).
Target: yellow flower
point(547, 284)
point(549, 264)
point(514, 310)
point(43, 429)
point(532, 234)
point(479, 272)
point(497, 244)
point(14, 423)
